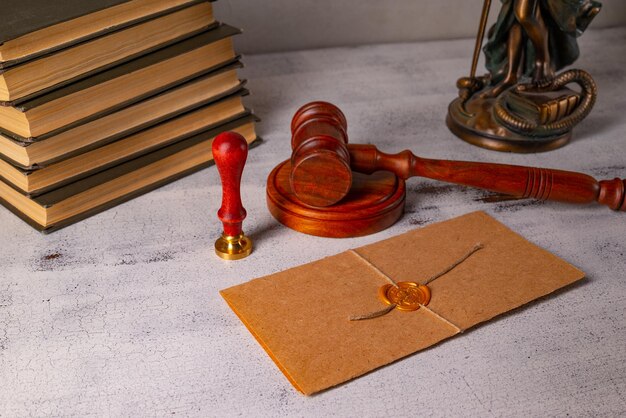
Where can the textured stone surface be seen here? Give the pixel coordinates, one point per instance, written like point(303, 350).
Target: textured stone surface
point(120, 314)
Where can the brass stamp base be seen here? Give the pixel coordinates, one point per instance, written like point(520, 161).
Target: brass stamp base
point(233, 248)
point(474, 123)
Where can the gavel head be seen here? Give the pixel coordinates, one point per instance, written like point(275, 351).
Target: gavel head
point(320, 163)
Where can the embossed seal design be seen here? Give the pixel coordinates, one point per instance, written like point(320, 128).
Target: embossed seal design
point(407, 296)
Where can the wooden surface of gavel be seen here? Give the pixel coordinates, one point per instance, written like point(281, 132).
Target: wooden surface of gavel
point(322, 163)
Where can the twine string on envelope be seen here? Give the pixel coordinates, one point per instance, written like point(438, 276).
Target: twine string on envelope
point(467, 255)
point(392, 306)
point(373, 315)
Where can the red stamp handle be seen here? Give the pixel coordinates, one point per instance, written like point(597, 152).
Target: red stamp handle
point(230, 151)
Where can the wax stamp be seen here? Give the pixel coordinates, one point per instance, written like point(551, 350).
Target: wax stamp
point(230, 151)
point(407, 296)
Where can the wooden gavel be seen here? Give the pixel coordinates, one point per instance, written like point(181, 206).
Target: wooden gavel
point(322, 162)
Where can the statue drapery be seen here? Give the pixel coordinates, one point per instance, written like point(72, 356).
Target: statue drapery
point(565, 21)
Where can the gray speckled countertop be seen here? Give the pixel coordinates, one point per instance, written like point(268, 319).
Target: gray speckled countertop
point(120, 314)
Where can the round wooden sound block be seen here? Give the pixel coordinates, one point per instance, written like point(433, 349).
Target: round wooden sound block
point(373, 203)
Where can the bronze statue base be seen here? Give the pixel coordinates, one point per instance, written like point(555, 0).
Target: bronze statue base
point(474, 122)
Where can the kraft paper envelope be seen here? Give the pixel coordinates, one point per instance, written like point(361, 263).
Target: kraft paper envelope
point(301, 316)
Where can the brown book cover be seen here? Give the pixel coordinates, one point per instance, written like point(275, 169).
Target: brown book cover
point(138, 123)
point(175, 152)
point(26, 17)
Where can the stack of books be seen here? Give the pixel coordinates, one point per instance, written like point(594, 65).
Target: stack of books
point(103, 100)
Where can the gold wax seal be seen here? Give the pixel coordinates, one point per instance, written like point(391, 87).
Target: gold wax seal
point(407, 296)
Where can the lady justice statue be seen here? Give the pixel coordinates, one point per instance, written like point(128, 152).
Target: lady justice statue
point(522, 104)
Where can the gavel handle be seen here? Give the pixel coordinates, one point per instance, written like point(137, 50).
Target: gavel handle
point(520, 181)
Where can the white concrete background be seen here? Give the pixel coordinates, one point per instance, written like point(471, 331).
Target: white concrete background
point(120, 315)
point(282, 25)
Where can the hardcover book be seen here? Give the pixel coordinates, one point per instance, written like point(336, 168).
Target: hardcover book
point(31, 28)
point(544, 107)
